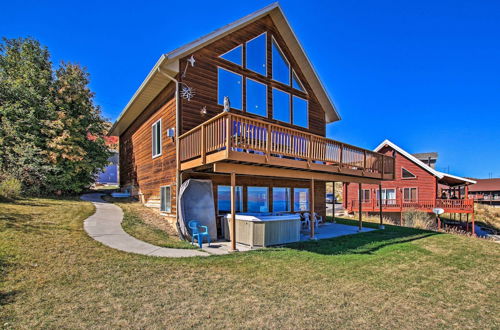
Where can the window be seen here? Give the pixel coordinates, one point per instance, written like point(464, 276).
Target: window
point(300, 199)
point(258, 199)
point(282, 200)
point(256, 98)
point(224, 198)
point(300, 112)
point(410, 194)
point(281, 105)
point(235, 55)
point(405, 174)
point(365, 195)
point(230, 85)
point(156, 139)
point(256, 54)
point(388, 196)
point(281, 67)
point(165, 199)
point(296, 82)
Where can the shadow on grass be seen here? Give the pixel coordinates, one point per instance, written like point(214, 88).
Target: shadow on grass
point(363, 243)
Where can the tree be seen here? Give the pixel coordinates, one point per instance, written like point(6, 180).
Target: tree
point(51, 132)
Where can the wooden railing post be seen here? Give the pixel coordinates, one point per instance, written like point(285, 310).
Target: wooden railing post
point(309, 149)
point(268, 142)
point(228, 134)
point(203, 143)
point(364, 160)
point(382, 167)
point(341, 156)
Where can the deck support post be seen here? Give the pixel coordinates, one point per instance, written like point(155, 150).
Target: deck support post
point(472, 223)
point(233, 212)
point(467, 222)
point(333, 201)
point(360, 195)
point(311, 213)
point(381, 226)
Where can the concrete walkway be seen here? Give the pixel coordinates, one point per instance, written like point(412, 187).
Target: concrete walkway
point(105, 226)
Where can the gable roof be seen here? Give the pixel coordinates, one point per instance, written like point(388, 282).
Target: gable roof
point(453, 179)
point(486, 185)
point(169, 63)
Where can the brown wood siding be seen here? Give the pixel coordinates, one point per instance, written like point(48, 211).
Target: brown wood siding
point(203, 79)
point(425, 182)
point(137, 167)
point(245, 181)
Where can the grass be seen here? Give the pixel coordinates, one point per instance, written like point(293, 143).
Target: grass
point(55, 276)
point(146, 225)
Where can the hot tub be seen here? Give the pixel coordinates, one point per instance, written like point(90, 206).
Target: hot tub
point(260, 230)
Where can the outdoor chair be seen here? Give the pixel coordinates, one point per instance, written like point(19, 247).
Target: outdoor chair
point(306, 222)
point(197, 233)
point(318, 219)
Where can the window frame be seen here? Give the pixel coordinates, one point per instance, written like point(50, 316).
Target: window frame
point(303, 90)
point(236, 202)
point(410, 200)
point(290, 111)
point(308, 200)
point(265, 98)
point(410, 178)
point(288, 190)
point(234, 63)
point(246, 55)
point(153, 140)
point(363, 197)
point(267, 199)
point(242, 87)
point(274, 41)
point(169, 210)
point(293, 112)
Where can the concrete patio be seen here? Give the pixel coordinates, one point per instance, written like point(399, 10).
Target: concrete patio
point(331, 230)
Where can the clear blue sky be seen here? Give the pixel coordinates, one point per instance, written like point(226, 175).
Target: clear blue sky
point(424, 74)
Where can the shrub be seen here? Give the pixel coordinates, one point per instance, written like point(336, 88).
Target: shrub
point(10, 188)
point(418, 219)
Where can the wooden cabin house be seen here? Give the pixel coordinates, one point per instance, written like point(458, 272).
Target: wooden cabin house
point(244, 108)
point(416, 185)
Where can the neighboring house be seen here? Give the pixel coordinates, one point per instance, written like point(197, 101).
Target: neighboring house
point(486, 191)
point(269, 144)
point(428, 158)
point(110, 173)
point(416, 186)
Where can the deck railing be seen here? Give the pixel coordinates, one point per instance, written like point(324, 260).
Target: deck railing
point(397, 205)
point(229, 131)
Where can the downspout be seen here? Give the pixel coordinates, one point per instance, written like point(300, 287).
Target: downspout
point(177, 131)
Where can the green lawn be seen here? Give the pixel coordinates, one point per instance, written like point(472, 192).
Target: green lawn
point(53, 275)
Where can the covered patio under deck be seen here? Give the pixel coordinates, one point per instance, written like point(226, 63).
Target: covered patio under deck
point(244, 177)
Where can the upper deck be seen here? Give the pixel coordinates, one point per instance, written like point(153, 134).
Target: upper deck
point(230, 137)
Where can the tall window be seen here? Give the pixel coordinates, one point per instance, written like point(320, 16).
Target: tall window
point(300, 117)
point(256, 98)
point(258, 199)
point(281, 105)
point(410, 194)
point(165, 199)
point(156, 139)
point(282, 200)
point(300, 199)
point(224, 198)
point(256, 54)
point(230, 85)
point(281, 67)
point(365, 195)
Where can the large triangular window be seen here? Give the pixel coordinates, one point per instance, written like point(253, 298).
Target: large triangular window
point(256, 54)
point(281, 67)
point(405, 174)
point(235, 55)
point(296, 82)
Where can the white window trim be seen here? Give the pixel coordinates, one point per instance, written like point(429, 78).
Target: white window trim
point(242, 86)
point(290, 97)
point(242, 64)
point(169, 186)
point(369, 195)
point(153, 130)
point(246, 93)
point(246, 52)
point(307, 111)
point(308, 200)
point(403, 178)
point(236, 201)
point(268, 199)
point(287, 61)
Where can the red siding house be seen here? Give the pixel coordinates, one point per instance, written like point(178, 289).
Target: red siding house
point(416, 186)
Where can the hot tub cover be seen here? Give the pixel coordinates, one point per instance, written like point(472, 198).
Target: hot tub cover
point(196, 202)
